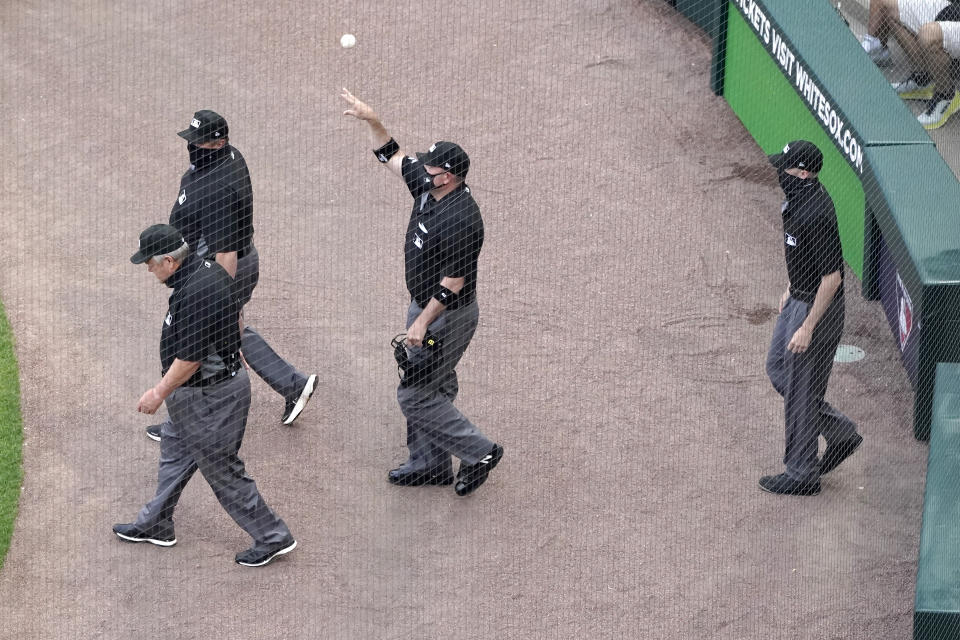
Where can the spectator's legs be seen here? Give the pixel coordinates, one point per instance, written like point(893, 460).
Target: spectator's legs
point(935, 60)
point(907, 40)
point(882, 14)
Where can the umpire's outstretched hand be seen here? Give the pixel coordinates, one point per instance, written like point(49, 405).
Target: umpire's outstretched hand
point(358, 108)
point(379, 136)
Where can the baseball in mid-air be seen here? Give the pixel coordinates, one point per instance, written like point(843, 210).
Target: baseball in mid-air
point(347, 40)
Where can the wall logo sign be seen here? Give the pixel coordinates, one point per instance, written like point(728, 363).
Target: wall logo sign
point(831, 120)
point(905, 307)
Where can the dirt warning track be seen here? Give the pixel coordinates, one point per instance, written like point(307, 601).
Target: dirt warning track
point(627, 287)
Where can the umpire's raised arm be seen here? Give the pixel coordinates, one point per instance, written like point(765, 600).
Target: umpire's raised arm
point(385, 148)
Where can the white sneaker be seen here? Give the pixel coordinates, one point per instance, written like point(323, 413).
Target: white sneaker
point(939, 110)
point(878, 52)
point(918, 86)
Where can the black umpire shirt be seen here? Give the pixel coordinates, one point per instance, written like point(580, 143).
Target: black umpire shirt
point(443, 238)
point(215, 203)
point(202, 322)
point(811, 241)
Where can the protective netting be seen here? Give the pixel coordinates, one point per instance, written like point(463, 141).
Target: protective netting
point(652, 383)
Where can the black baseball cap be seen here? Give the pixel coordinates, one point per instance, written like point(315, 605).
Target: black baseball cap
point(799, 154)
point(206, 125)
point(447, 155)
point(157, 240)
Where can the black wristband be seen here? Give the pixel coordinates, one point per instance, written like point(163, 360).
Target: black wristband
point(444, 296)
point(387, 151)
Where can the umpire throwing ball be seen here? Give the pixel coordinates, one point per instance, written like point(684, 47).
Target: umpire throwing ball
point(441, 248)
point(207, 393)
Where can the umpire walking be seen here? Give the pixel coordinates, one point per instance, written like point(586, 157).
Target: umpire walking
point(809, 326)
point(214, 212)
point(441, 249)
point(207, 392)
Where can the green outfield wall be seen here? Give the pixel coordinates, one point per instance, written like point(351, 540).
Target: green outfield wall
point(707, 14)
point(936, 616)
point(775, 114)
point(793, 70)
point(913, 258)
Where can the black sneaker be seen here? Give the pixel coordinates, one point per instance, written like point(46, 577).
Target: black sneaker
point(295, 407)
point(406, 478)
point(131, 533)
point(259, 556)
point(837, 453)
point(472, 476)
point(153, 432)
point(785, 485)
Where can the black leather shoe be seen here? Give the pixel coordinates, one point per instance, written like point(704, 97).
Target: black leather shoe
point(837, 453)
point(785, 485)
point(404, 478)
point(472, 476)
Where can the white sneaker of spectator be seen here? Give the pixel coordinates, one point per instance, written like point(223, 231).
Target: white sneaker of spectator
point(939, 110)
point(878, 52)
point(919, 86)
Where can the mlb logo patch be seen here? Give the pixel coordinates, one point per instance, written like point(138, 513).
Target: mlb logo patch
point(790, 240)
point(905, 314)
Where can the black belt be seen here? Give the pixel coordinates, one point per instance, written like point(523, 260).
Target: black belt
point(241, 253)
point(803, 296)
point(233, 366)
point(809, 296)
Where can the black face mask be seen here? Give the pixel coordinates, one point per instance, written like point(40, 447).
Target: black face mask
point(200, 157)
point(791, 185)
point(427, 183)
point(433, 185)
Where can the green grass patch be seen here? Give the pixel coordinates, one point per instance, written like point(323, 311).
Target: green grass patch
point(11, 436)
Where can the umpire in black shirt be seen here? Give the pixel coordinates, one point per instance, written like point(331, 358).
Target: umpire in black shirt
point(214, 212)
point(207, 393)
point(809, 326)
point(442, 244)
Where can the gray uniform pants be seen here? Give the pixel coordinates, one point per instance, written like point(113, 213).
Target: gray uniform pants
point(801, 378)
point(282, 377)
point(435, 428)
point(205, 433)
